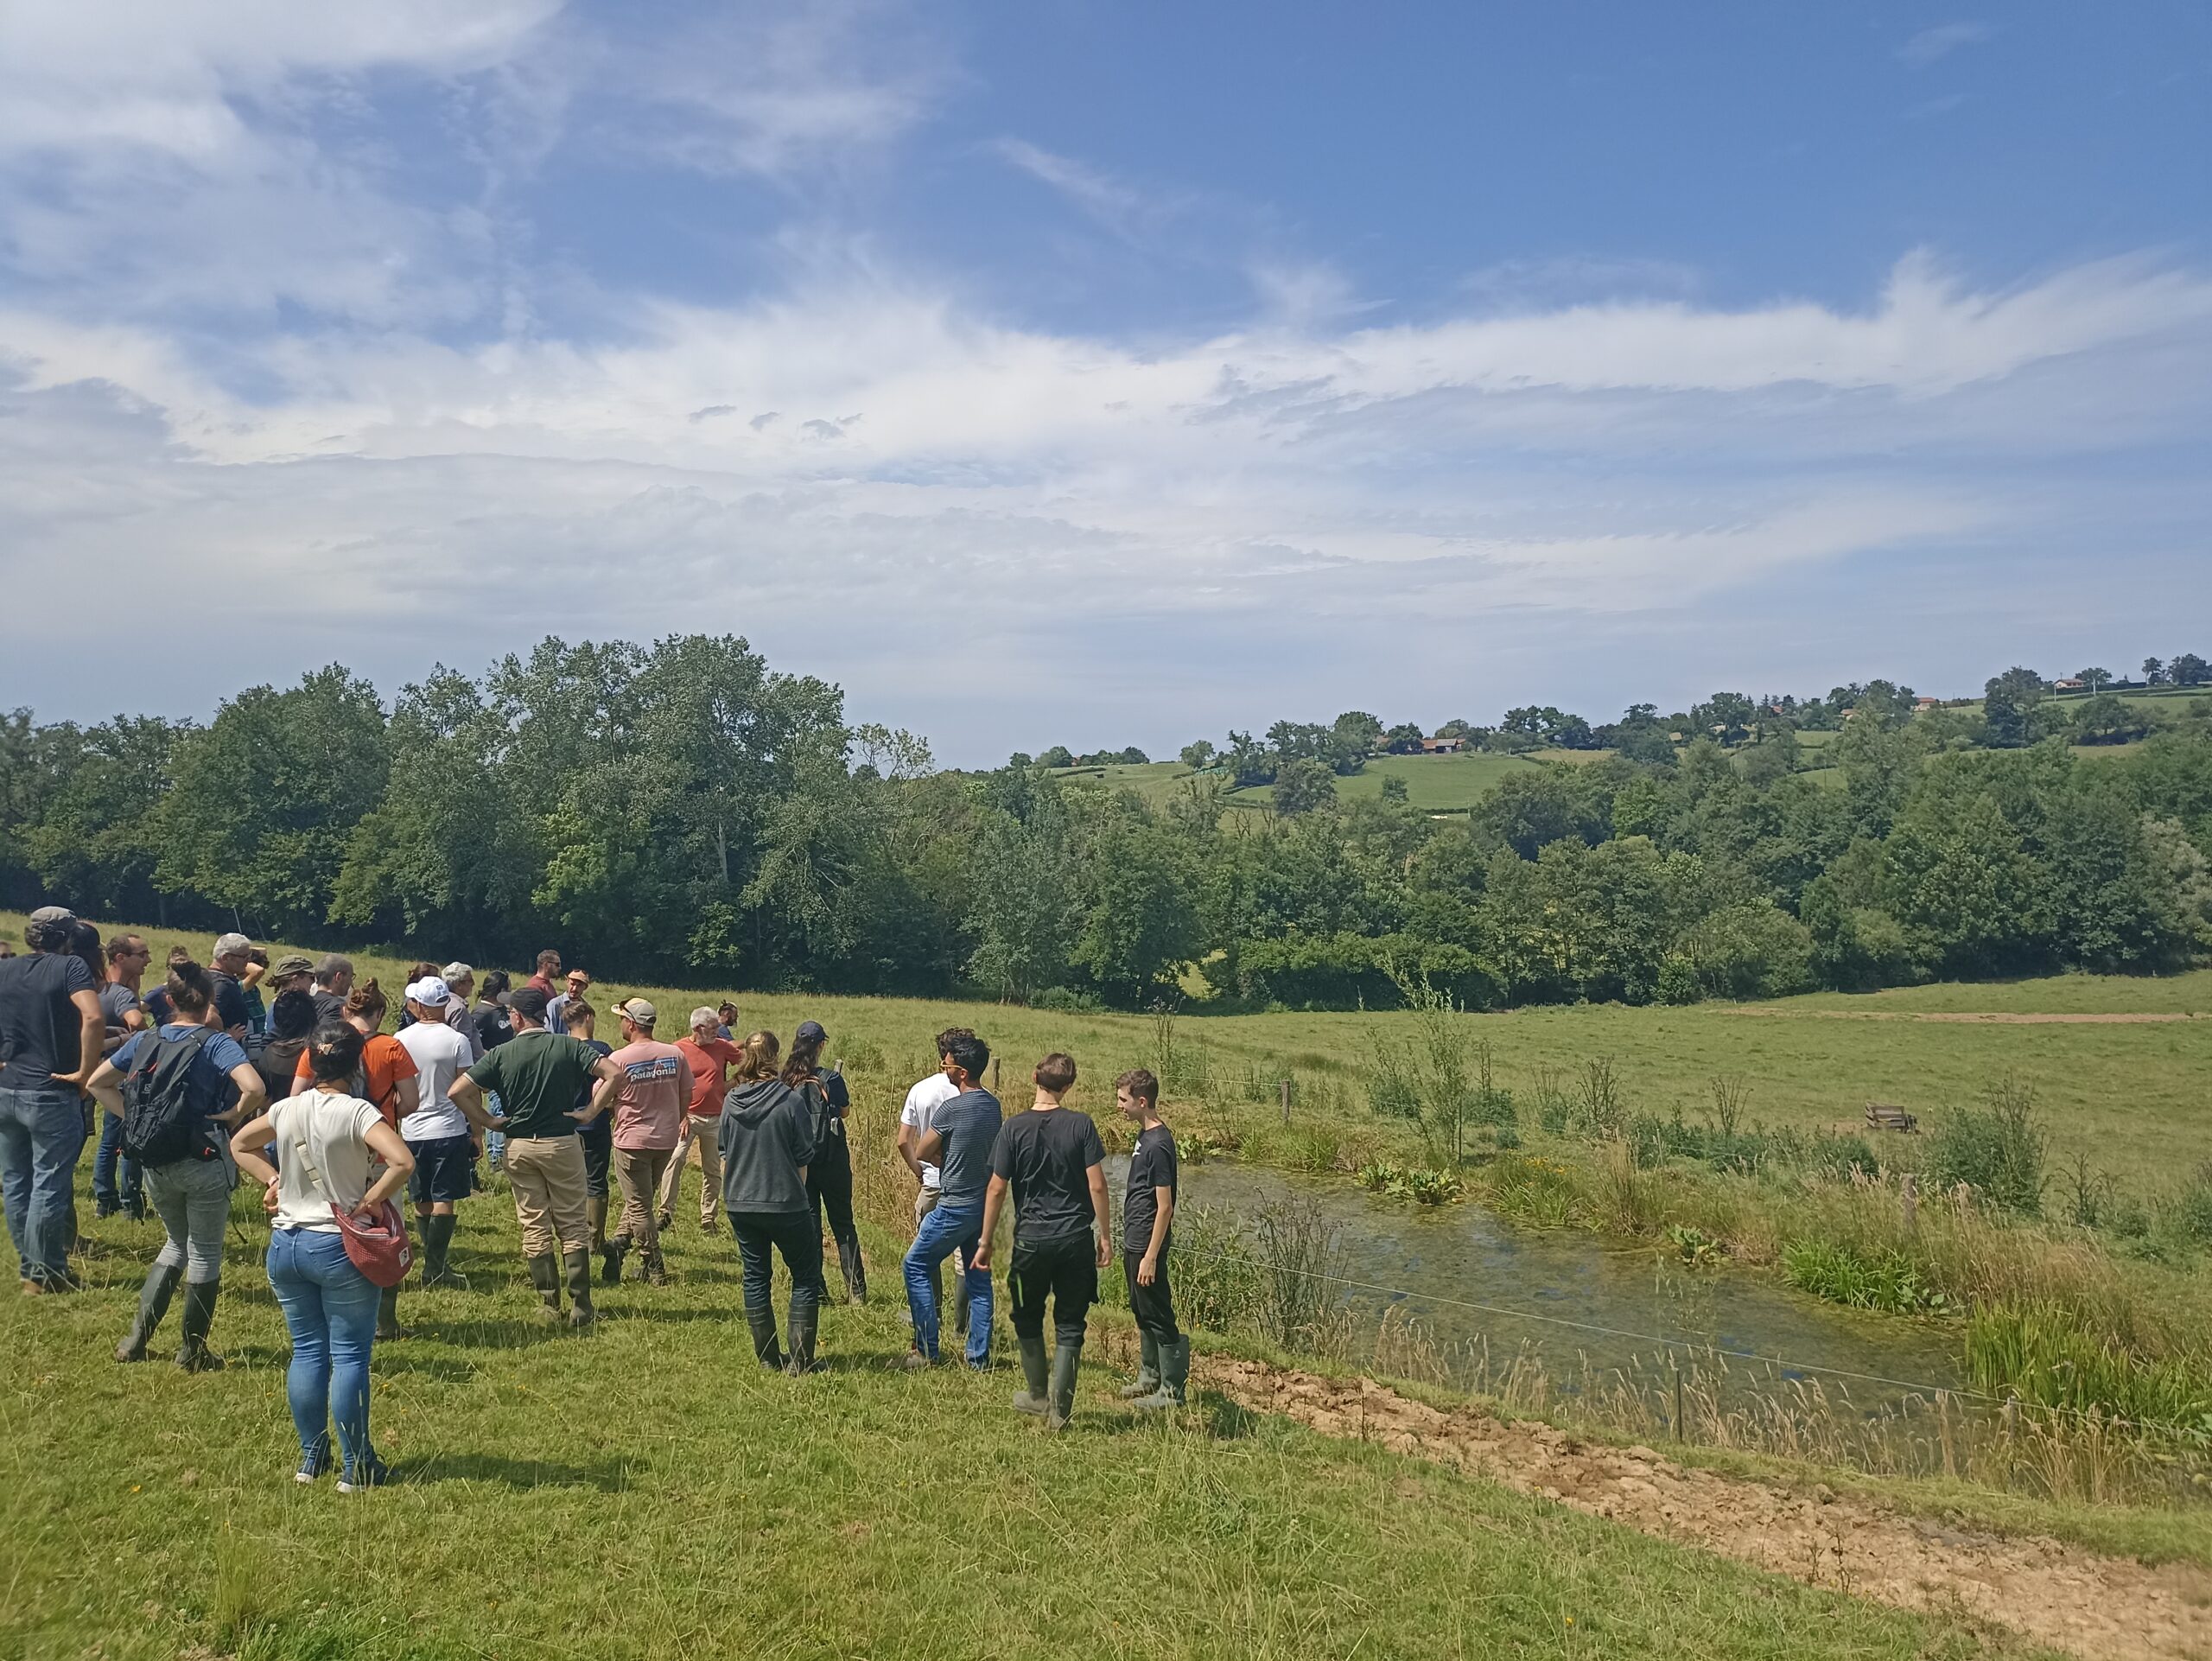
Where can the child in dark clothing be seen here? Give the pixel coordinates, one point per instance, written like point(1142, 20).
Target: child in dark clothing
point(1148, 1214)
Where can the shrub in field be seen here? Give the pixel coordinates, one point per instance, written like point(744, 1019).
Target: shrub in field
point(1884, 1280)
point(1393, 1091)
point(2190, 1213)
point(1070, 1001)
point(1997, 1150)
point(1539, 1191)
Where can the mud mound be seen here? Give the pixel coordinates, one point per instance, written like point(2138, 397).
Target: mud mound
point(2109, 1608)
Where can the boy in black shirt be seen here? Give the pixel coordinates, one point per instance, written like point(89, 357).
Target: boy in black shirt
point(1053, 1159)
point(1147, 1213)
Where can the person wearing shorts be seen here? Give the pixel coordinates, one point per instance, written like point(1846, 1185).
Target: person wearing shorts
point(437, 1132)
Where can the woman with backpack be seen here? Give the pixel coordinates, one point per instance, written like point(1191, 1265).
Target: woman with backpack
point(766, 1146)
point(829, 1172)
point(178, 1090)
point(327, 1145)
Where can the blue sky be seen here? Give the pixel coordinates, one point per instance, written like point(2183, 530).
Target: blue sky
point(1102, 374)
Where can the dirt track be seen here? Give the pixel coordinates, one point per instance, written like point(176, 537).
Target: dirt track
point(2111, 1609)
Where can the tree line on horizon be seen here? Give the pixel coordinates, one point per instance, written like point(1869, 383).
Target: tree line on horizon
point(683, 812)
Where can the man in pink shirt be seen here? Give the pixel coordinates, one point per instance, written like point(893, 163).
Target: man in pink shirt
point(711, 1056)
point(649, 1115)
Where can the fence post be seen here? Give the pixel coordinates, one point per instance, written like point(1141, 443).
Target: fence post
point(1680, 1435)
point(1286, 1101)
point(1908, 1198)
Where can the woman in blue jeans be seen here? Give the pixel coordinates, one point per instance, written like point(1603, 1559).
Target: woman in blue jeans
point(327, 1143)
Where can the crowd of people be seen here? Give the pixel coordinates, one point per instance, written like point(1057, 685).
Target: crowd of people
point(283, 1073)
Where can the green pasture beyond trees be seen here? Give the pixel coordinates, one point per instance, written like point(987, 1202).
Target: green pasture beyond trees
point(684, 812)
point(647, 1492)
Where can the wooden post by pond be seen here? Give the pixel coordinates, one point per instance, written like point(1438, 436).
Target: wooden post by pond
point(1286, 1101)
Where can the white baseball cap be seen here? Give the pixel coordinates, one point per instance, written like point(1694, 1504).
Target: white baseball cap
point(431, 992)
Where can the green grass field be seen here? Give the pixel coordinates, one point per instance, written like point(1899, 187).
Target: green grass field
point(1439, 784)
point(2131, 1096)
point(647, 1492)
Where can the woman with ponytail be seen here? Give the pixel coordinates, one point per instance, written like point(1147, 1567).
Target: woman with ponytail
point(829, 1172)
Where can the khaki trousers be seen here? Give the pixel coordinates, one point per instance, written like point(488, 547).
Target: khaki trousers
point(548, 1176)
point(704, 1150)
point(639, 1171)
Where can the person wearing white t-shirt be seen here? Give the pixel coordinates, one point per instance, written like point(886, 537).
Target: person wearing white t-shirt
point(925, 1097)
point(437, 1132)
point(313, 1153)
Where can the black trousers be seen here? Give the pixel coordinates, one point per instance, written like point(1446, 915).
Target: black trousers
point(829, 1185)
point(1065, 1270)
point(1153, 1306)
point(792, 1234)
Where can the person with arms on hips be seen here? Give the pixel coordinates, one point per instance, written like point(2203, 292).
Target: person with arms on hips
point(1147, 1216)
point(1050, 1160)
point(116, 1185)
point(51, 1031)
point(648, 1113)
point(957, 1139)
point(711, 1056)
point(178, 1091)
point(325, 1143)
point(437, 1132)
point(536, 1076)
point(765, 1153)
point(822, 1093)
point(913, 1118)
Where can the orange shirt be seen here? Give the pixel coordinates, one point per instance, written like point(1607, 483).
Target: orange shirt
point(386, 1061)
point(710, 1065)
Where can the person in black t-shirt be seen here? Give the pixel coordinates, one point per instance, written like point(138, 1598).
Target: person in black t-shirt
point(51, 1028)
point(1052, 1159)
point(1148, 1214)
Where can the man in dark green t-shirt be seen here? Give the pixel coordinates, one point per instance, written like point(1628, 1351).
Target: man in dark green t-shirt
point(538, 1077)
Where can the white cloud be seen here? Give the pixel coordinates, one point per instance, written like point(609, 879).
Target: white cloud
point(1930, 44)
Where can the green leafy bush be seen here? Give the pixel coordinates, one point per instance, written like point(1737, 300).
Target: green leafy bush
point(1997, 1150)
point(1888, 1280)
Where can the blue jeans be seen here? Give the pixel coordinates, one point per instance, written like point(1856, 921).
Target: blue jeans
point(42, 1133)
point(105, 1164)
point(331, 1307)
point(945, 1229)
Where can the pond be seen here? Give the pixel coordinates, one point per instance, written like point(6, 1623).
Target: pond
point(1433, 1263)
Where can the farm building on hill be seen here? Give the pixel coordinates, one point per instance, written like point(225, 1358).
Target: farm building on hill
point(2070, 685)
point(1442, 746)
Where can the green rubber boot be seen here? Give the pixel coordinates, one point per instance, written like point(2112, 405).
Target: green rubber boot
point(1067, 1357)
point(1147, 1370)
point(1175, 1374)
point(545, 1276)
point(152, 1303)
point(192, 1353)
point(1037, 1398)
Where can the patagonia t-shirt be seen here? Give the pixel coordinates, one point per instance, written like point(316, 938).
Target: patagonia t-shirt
point(655, 1093)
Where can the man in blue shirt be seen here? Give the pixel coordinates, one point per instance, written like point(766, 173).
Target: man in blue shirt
point(957, 1140)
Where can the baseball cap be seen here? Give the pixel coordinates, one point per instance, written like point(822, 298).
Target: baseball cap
point(456, 971)
point(639, 1010)
point(228, 945)
point(810, 1029)
point(702, 1016)
point(528, 1002)
point(293, 964)
point(431, 992)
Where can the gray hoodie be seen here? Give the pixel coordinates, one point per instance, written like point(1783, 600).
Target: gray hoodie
point(764, 1143)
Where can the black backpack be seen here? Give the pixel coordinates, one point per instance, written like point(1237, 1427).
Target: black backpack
point(165, 1103)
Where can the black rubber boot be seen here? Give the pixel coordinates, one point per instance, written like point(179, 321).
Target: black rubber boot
point(766, 1350)
point(855, 1272)
point(1148, 1368)
point(1175, 1374)
point(152, 1303)
point(1067, 1357)
point(610, 1260)
point(595, 1214)
point(578, 1264)
point(804, 1328)
point(437, 1252)
point(545, 1276)
point(387, 1313)
point(192, 1354)
point(1037, 1398)
point(656, 1267)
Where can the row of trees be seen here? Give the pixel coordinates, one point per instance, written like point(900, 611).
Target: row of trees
point(683, 811)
